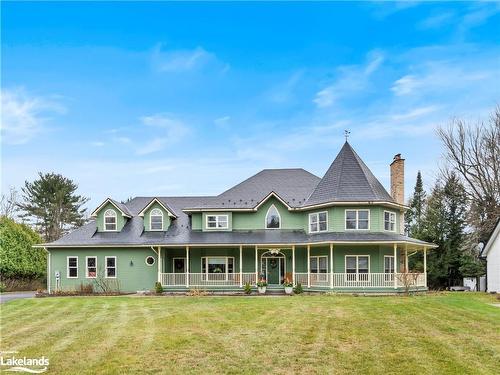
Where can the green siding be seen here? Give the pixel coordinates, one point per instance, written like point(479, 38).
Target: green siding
point(147, 217)
point(196, 221)
point(132, 278)
point(120, 219)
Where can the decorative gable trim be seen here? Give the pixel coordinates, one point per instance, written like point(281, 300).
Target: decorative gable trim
point(109, 200)
point(272, 194)
point(163, 205)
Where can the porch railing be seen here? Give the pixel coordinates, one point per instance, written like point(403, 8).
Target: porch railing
point(339, 280)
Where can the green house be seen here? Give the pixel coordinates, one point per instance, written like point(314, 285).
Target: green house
point(342, 232)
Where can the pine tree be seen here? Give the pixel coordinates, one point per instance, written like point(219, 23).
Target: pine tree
point(51, 205)
point(415, 215)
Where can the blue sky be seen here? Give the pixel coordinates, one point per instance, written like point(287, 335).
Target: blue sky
point(164, 99)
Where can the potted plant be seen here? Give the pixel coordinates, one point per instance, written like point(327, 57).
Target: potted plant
point(288, 286)
point(262, 286)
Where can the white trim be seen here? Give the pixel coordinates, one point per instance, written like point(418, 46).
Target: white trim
point(293, 265)
point(357, 266)
point(418, 246)
point(240, 264)
point(271, 194)
point(357, 218)
point(173, 264)
point(267, 213)
point(87, 266)
point(317, 213)
point(317, 263)
point(395, 220)
point(67, 267)
point(49, 276)
point(146, 261)
point(150, 220)
point(280, 255)
point(108, 200)
point(331, 265)
point(491, 240)
point(106, 267)
point(143, 211)
point(217, 219)
point(306, 208)
point(115, 216)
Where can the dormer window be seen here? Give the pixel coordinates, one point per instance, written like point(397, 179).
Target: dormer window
point(110, 220)
point(156, 218)
point(273, 218)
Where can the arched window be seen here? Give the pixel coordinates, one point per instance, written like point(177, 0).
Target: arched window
point(156, 219)
point(273, 218)
point(110, 220)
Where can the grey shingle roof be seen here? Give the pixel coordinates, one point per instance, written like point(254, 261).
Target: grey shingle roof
point(292, 185)
point(121, 206)
point(348, 179)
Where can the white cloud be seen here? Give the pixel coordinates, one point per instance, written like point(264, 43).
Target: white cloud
point(415, 113)
point(284, 91)
point(437, 20)
point(351, 79)
point(169, 130)
point(97, 144)
point(222, 122)
point(24, 115)
point(405, 85)
point(176, 61)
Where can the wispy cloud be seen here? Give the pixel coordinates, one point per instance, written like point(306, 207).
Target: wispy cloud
point(284, 91)
point(222, 122)
point(169, 130)
point(437, 20)
point(351, 79)
point(184, 60)
point(24, 115)
point(97, 144)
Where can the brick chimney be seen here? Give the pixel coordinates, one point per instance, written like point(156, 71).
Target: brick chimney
point(398, 179)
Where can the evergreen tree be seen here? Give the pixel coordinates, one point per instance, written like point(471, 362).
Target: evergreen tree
point(415, 215)
point(51, 205)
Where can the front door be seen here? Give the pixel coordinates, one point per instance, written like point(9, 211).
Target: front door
point(274, 268)
point(179, 265)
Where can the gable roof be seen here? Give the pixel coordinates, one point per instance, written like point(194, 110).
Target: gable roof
point(348, 180)
point(119, 206)
point(292, 186)
point(162, 204)
point(495, 236)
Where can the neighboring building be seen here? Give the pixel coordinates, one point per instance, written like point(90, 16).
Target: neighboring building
point(491, 252)
point(341, 232)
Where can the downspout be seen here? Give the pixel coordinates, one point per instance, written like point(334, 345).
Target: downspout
point(48, 269)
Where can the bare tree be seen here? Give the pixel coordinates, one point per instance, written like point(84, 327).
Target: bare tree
point(473, 152)
point(8, 203)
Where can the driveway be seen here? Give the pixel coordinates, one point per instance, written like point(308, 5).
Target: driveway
point(6, 297)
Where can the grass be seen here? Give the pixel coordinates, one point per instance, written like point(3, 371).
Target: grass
point(433, 334)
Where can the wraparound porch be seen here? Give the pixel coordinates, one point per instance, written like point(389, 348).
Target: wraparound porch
point(342, 267)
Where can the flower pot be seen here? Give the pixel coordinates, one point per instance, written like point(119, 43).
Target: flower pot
point(288, 289)
point(262, 289)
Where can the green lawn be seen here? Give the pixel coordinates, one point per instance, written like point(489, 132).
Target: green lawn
point(434, 334)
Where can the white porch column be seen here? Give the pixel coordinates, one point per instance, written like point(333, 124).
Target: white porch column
point(425, 266)
point(187, 266)
point(256, 265)
point(293, 265)
point(395, 266)
point(241, 266)
point(331, 266)
point(308, 266)
point(406, 258)
point(159, 264)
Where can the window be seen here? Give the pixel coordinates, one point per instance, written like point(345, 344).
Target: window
point(217, 266)
point(72, 272)
point(318, 222)
point(111, 267)
point(319, 264)
point(150, 260)
point(273, 219)
point(357, 219)
point(110, 220)
point(91, 269)
point(357, 267)
point(217, 221)
point(389, 221)
point(388, 267)
point(156, 219)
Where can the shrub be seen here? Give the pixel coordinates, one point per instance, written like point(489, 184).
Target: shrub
point(298, 289)
point(2, 287)
point(197, 292)
point(158, 288)
point(86, 288)
point(248, 288)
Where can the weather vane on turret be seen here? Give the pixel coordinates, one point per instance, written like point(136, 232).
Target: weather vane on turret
point(346, 134)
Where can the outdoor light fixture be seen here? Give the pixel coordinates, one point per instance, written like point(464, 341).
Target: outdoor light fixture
point(131, 263)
